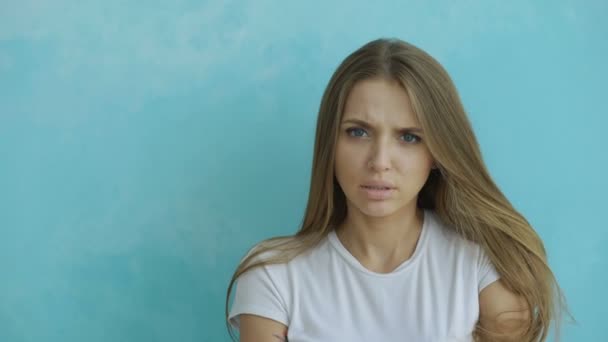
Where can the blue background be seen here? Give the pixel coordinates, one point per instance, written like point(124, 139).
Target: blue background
point(145, 146)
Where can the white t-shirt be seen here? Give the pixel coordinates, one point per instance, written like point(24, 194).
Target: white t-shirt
point(326, 295)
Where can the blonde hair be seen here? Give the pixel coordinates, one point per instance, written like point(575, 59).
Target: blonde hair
point(461, 191)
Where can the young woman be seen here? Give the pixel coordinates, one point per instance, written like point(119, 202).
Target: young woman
point(405, 236)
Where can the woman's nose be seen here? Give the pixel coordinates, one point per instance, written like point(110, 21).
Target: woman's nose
point(380, 159)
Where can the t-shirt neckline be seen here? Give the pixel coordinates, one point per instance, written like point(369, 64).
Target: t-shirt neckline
point(407, 264)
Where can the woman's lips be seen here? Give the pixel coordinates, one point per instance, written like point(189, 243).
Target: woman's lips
point(377, 192)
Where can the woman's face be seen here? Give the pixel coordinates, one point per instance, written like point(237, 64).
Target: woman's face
point(380, 140)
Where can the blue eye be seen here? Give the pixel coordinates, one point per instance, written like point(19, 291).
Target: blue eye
point(355, 130)
point(410, 138)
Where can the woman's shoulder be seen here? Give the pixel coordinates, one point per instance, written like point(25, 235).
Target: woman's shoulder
point(448, 238)
point(285, 250)
point(463, 253)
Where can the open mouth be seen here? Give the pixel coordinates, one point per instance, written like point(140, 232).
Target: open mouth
point(377, 192)
point(376, 187)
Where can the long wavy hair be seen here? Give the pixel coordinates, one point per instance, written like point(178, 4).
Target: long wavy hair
point(461, 190)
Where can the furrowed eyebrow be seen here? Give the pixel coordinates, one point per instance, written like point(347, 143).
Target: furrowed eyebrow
point(367, 125)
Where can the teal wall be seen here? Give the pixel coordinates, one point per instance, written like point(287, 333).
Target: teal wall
point(145, 146)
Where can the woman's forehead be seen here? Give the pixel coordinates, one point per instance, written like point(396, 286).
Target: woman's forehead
point(379, 104)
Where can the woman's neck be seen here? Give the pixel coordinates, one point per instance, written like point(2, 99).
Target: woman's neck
point(381, 245)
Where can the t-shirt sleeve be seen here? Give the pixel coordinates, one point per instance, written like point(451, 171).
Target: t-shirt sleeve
point(486, 271)
point(258, 293)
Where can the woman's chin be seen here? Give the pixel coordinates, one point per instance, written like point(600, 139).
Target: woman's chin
point(378, 210)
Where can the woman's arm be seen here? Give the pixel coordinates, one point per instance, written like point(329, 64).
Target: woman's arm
point(254, 328)
point(502, 311)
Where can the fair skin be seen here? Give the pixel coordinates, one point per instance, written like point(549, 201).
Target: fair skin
point(381, 139)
